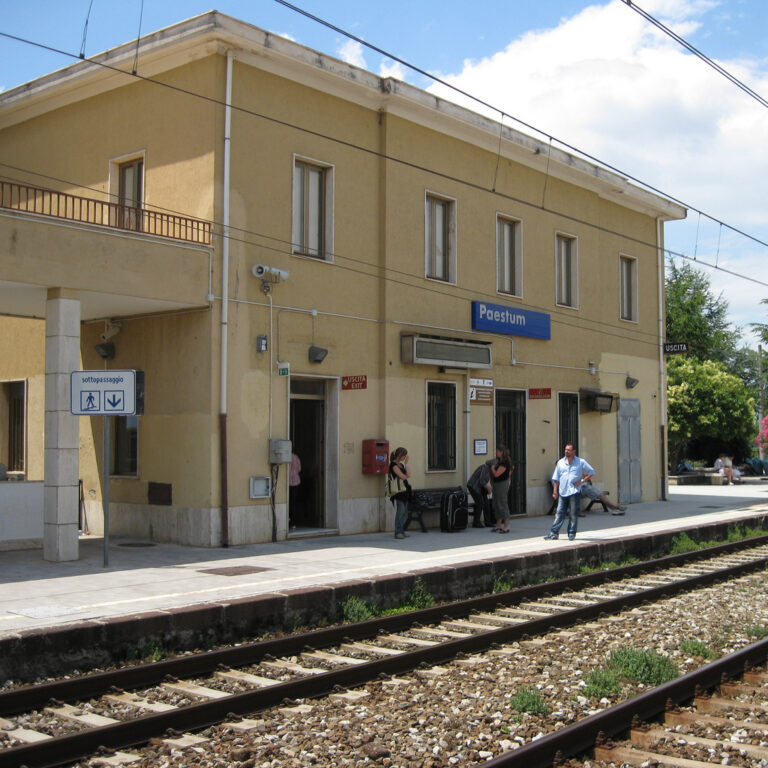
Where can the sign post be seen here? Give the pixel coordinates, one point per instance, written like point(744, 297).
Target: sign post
point(103, 393)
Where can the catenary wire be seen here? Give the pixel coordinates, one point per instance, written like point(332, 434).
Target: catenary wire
point(351, 145)
point(695, 51)
point(477, 100)
point(384, 156)
point(394, 276)
point(394, 159)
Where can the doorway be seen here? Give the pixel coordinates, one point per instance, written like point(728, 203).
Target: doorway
point(510, 430)
point(307, 433)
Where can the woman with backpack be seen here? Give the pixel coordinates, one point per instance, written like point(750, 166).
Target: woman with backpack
point(399, 489)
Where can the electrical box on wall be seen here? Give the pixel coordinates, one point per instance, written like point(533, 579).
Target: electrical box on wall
point(279, 451)
point(375, 457)
point(260, 487)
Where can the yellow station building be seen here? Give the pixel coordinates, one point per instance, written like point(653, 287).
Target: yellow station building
point(290, 248)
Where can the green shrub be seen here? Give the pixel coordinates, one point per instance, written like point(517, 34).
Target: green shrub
point(353, 609)
point(697, 648)
point(503, 583)
point(419, 597)
point(601, 682)
point(529, 700)
point(683, 543)
point(645, 667)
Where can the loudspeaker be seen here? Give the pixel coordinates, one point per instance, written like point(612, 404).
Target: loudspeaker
point(317, 354)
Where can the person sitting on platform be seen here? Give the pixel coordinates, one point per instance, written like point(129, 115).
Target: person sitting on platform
point(592, 493)
point(724, 466)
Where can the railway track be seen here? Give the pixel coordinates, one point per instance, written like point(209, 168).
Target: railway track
point(63, 721)
point(659, 731)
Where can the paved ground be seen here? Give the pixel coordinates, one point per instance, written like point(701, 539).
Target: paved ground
point(38, 594)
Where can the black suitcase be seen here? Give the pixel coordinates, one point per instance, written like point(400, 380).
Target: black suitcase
point(454, 512)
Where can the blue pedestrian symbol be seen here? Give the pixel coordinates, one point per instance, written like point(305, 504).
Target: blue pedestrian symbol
point(89, 400)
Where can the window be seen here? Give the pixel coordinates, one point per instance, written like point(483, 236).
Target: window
point(440, 239)
point(508, 256)
point(13, 425)
point(130, 194)
point(125, 445)
point(565, 271)
point(628, 288)
point(441, 426)
point(312, 209)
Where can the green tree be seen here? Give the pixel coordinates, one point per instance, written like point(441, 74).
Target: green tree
point(708, 410)
point(696, 315)
point(761, 329)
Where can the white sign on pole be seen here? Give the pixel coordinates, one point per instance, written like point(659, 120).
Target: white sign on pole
point(103, 393)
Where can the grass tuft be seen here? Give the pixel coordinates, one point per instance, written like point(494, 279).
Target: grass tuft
point(697, 648)
point(645, 667)
point(529, 700)
point(601, 682)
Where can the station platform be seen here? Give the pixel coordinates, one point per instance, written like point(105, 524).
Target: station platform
point(147, 577)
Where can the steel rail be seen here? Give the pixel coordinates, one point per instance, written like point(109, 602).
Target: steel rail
point(143, 675)
point(64, 749)
point(581, 736)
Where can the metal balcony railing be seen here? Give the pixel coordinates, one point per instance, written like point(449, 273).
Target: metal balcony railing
point(60, 205)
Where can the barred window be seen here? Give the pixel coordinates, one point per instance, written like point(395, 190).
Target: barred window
point(441, 426)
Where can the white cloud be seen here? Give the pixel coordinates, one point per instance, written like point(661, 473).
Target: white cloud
point(352, 52)
point(391, 68)
point(608, 82)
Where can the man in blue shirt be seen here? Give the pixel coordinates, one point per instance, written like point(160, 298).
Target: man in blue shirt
point(570, 474)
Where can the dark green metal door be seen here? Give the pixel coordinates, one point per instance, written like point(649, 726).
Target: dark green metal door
point(510, 430)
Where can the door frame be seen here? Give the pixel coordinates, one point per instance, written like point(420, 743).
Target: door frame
point(331, 441)
point(523, 489)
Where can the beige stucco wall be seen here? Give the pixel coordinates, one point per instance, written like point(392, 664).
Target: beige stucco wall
point(370, 292)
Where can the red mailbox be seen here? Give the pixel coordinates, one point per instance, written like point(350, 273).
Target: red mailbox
point(375, 457)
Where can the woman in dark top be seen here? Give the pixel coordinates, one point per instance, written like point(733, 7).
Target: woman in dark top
point(400, 487)
point(500, 472)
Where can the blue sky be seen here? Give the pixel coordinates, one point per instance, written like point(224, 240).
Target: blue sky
point(594, 75)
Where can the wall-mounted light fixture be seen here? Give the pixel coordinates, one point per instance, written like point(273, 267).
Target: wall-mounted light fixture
point(631, 382)
point(317, 354)
point(591, 367)
point(106, 351)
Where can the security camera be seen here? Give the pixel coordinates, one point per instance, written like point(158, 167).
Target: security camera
point(273, 274)
point(111, 330)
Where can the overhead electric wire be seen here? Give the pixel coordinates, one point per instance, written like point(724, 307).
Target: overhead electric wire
point(398, 277)
point(480, 101)
point(695, 51)
point(394, 159)
point(343, 142)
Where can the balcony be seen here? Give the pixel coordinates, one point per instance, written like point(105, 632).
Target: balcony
point(122, 261)
point(60, 205)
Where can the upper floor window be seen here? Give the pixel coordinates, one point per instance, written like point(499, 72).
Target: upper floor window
point(508, 256)
point(566, 262)
point(127, 186)
point(440, 238)
point(628, 288)
point(312, 209)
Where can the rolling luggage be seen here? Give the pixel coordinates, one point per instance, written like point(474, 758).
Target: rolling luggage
point(454, 512)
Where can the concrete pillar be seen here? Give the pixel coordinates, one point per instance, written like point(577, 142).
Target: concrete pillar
point(62, 429)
